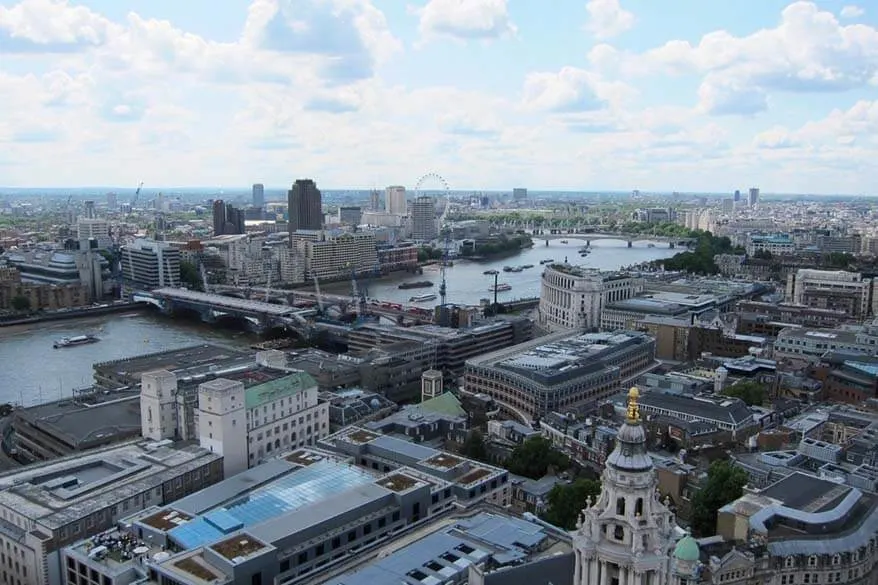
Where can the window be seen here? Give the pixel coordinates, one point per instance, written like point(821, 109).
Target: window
point(620, 506)
point(638, 507)
point(789, 562)
point(812, 561)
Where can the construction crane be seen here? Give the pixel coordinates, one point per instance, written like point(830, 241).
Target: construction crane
point(442, 287)
point(359, 293)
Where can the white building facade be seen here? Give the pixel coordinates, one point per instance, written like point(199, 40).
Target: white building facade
point(572, 298)
point(627, 536)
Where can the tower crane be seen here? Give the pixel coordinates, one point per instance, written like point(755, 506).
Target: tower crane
point(442, 287)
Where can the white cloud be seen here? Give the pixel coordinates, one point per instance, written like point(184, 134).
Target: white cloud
point(852, 11)
point(607, 18)
point(466, 19)
point(572, 90)
point(809, 50)
point(51, 26)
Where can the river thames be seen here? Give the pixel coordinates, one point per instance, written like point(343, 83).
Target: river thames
point(31, 371)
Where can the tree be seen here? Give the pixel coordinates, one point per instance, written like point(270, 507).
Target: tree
point(725, 483)
point(566, 501)
point(753, 393)
point(20, 303)
point(762, 254)
point(534, 457)
point(190, 276)
point(474, 447)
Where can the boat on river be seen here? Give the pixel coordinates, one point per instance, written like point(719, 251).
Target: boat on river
point(423, 298)
point(501, 287)
point(75, 340)
point(417, 284)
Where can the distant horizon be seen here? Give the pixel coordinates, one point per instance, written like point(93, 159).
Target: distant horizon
point(246, 190)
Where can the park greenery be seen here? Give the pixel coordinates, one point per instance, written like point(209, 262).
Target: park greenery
point(752, 393)
point(699, 258)
point(535, 457)
point(502, 244)
point(566, 501)
point(190, 276)
point(474, 447)
point(725, 484)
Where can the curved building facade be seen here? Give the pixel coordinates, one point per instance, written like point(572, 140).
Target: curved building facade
point(572, 298)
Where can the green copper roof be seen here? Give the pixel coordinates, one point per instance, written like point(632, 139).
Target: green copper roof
point(446, 403)
point(260, 394)
point(687, 550)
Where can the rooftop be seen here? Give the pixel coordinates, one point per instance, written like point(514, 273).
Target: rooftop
point(445, 555)
point(556, 358)
point(299, 488)
point(238, 547)
point(59, 492)
point(186, 361)
point(278, 388)
point(88, 420)
point(806, 493)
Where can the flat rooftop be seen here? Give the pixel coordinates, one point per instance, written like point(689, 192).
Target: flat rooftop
point(59, 492)
point(807, 493)
point(186, 361)
point(88, 419)
point(298, 489)
point(445, 555)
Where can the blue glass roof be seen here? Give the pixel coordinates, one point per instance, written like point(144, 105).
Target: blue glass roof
point(871, 369)
point(295, 490)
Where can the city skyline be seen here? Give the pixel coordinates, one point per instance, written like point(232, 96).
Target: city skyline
point(600, 95)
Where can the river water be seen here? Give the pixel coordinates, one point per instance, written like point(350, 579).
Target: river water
point(31, 371)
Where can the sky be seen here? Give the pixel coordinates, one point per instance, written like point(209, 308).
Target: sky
point(670, 95)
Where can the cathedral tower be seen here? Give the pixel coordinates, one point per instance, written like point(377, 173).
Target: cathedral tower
point(626, 537)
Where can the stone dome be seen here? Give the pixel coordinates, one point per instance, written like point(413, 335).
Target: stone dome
point(687, 550)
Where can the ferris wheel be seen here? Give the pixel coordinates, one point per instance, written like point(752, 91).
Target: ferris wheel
point(436, 183)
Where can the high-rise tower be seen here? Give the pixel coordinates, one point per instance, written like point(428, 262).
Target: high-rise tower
point(627, 536)
point(394, 200)
point(305, 206)
point(258, 195)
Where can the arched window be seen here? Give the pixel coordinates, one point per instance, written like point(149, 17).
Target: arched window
point(620, 506)
point(619, 532)
point(789, 562)
point(638, 507)
point(812, 561)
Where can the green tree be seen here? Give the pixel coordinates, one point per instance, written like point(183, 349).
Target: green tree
point(474, 447)
point(534, 457)
point(190, 276)
point(762, 254)
point(725, 483)
point(566, 501)
point(753, 393)
point(20, 303)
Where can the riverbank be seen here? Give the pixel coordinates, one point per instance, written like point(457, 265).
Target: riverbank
point(73, 314)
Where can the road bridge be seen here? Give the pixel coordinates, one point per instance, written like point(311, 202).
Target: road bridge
point(672, 241)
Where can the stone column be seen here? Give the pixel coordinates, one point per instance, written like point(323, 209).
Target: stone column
point(605, 573)
point(592, 571)
point(577, 569)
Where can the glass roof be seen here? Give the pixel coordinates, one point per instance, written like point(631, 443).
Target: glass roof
point(295, 490)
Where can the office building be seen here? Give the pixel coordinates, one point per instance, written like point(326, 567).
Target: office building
point(350, 215)
point(564, 372)
point(754, 196)
point(227, 219)
point(737, 196)
point(147, 265)
point(112, 202)
point(90, 212)
point(258, 195)
point(305, 205)
point(335, 255)
point(835, 290)
point(519, 194)
point(93, 229)
point(573, 298)
point(302, 514)
point(374, 200)
point(424, 224)
point(246, 415)
point(395, 201)
point(48, 506)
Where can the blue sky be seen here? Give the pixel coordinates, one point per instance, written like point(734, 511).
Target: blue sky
point(679, 95)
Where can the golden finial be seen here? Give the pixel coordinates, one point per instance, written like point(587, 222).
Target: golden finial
point(633, 409)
